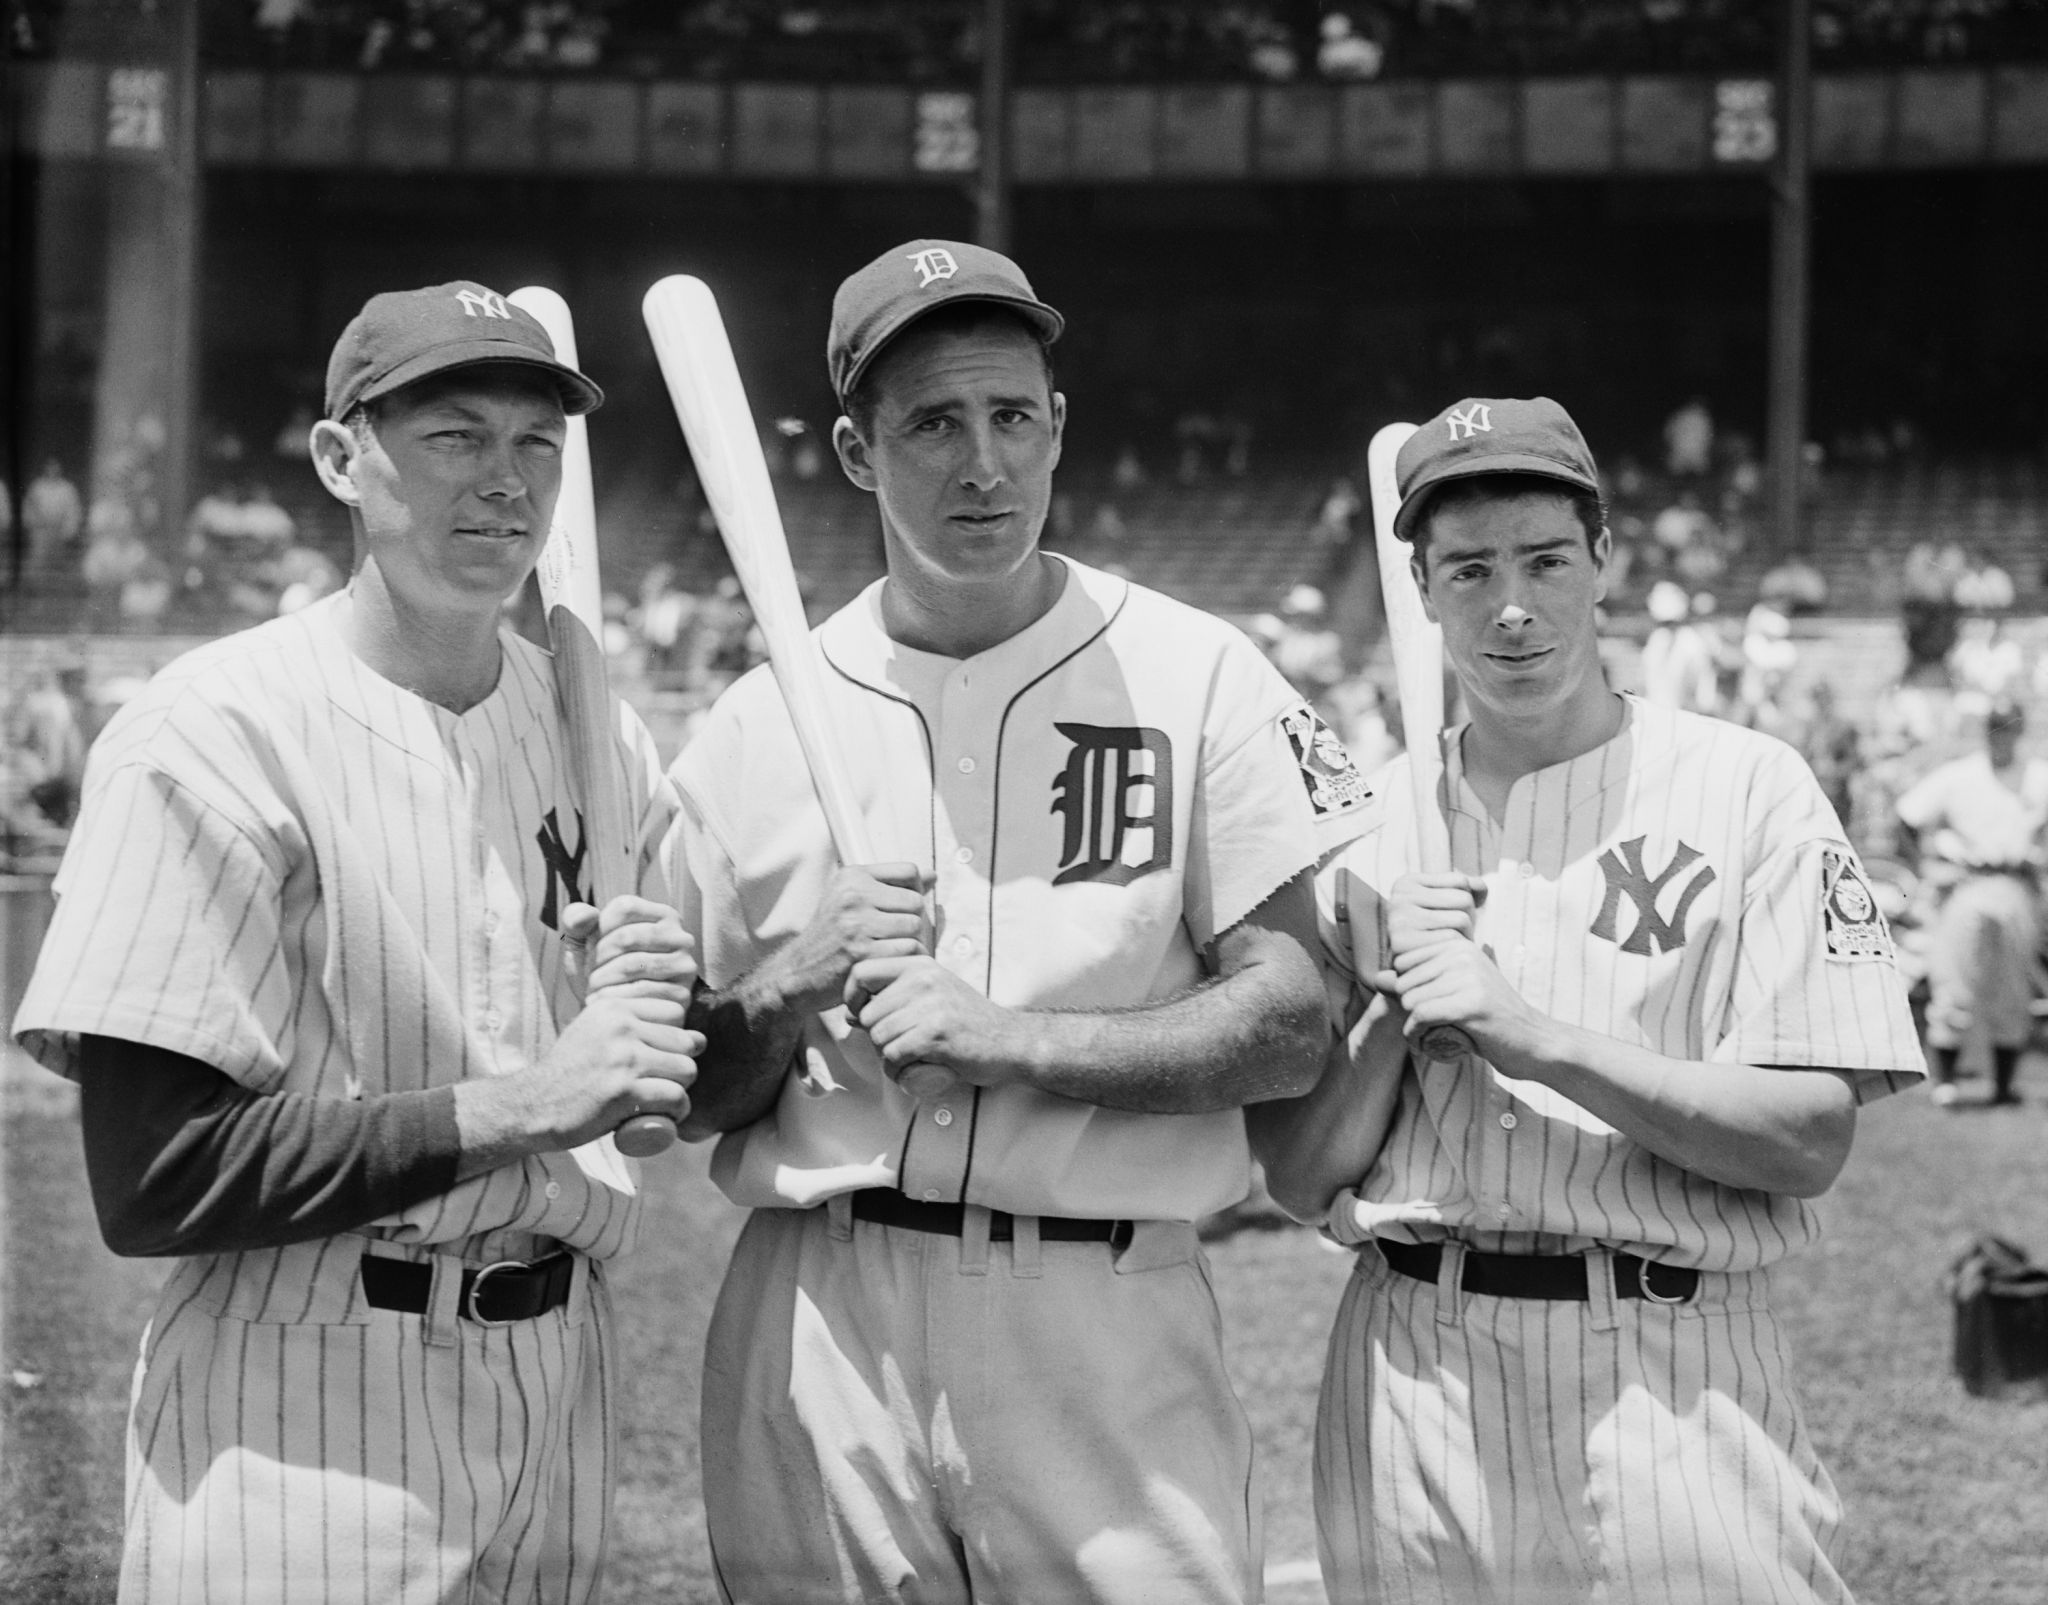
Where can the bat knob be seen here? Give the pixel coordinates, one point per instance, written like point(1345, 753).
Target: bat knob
point(644, 1136)
point(1443, 1043)
point(923, 1081)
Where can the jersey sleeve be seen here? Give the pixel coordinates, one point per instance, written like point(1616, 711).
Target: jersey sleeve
point(1277, 793)
point(1817, 982)
point(166, 932)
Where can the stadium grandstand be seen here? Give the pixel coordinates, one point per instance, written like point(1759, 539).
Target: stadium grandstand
point(1273, 227)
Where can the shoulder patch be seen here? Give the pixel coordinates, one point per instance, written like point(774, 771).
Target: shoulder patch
point(1853, 924)
point(1333, 782)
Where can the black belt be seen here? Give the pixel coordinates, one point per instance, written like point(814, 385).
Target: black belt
point(491, 1295)
point(1551, 1276)
point(887, 1207)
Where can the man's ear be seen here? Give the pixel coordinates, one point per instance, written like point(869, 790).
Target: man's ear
point(1059, 425)
point(1418, 569)
point(852, 451)
point(335, 450)
point(1603, 551)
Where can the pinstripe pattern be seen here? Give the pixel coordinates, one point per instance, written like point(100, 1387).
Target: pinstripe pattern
point(1521, 1452)
point(1665, 889)
point(319, 883)
point(1512, 1167)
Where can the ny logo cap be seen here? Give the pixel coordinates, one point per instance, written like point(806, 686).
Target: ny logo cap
point(402, 336)
point(1481, 435)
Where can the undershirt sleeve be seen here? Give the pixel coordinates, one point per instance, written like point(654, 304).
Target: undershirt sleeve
point(184, 1160)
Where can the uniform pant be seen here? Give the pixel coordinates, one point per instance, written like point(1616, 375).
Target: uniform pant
point(409, 1460)
point(1531, 1452)
point(892, 1415)
point(1981, 963)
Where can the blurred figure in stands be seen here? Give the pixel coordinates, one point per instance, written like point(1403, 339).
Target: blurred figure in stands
point(1794, 586)
point(1365, 721)
point(1344, 55)
point(1769, 656)
point(1689, 440)
point(46, 731)
point(52, 515)
point(663, 619)
point(1977, 822)
point(1983, 587)
point(1303, 647)
point(1678, 668)
point(1833, 749)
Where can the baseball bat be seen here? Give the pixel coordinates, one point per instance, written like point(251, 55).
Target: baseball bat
point(695, 354)
point(574, 603)
point(1418, 648)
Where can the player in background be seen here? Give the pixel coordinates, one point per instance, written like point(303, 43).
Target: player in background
point(1555, 1374)
point(967, 1347)
point(1976, 826)
point(315, 965)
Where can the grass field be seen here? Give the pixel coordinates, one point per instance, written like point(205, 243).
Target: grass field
point(1944, 1491)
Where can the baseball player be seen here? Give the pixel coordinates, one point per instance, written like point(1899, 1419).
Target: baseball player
point(1555, 1374)
point(967, 1347)
point(313, 964)
point(1977, 823)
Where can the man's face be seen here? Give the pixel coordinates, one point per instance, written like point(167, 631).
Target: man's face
point(1513, 584)
point(960, 455)
point(457, 484)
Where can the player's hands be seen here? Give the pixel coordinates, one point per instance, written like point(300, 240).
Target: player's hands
point(916, 1011)
point(633, 948)
point(1423, 910)
point(1456, 983)
point(869, 911)
point(623, 1055)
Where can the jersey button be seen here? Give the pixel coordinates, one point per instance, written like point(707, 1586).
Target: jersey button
point(964, 854)
point(966, 766)
point(1508, 1122)
point(1528, 870)
point(554, 1189)
point(931, 1195)
point(942, 1117)
point(1505, 1211)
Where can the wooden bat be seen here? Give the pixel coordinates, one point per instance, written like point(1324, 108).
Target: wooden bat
point(1418, 648)
point(574, 603)
point(695, 354)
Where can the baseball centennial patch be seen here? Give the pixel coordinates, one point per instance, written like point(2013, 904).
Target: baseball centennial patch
point(1334, 784)
point(1855, 929)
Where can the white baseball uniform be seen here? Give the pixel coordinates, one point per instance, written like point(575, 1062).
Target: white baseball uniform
point(1987, 933)
point(317, 882)
point(895, 1414)
point(1686, 887)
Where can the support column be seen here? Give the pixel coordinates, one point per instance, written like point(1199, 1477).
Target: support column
point(1791, 234)
point(992, 182)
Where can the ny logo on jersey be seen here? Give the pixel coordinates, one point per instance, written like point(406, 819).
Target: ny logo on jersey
point(1476, 419)
point(932, 266)
point(488, 304)
point(565, 869)
point(1118, 781)
point(1626, 877)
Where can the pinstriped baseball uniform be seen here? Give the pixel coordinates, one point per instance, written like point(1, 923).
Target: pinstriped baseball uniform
point(320, 883)
point(1686, 887)
point(1981, 962)
point(1100, 796)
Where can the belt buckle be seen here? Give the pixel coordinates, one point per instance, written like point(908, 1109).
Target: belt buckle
point(1650, 1293)
point(476, 1286)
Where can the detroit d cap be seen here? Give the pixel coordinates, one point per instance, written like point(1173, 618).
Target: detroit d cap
point(896, 289)
point(1483, 435)
point(402, 336)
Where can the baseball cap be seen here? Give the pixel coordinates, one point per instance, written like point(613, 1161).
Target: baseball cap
point(1484, 435)
point(884, 298)
point(402, 336)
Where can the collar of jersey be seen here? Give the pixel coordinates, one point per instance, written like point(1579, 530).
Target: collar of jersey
point(856, 644)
